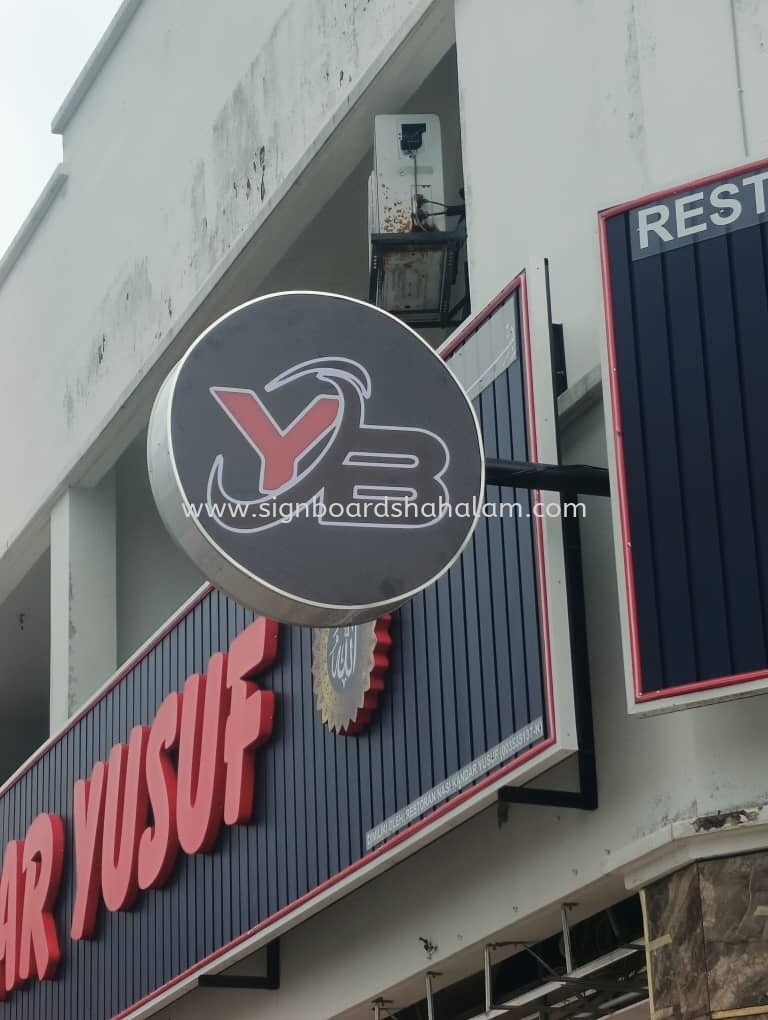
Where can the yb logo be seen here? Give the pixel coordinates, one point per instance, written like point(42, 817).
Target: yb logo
point(360, 474)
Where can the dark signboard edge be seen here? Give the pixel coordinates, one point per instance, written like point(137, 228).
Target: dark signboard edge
point(670, 699)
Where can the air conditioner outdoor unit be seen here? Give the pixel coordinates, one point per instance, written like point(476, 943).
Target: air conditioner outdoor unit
point(413, 258)
point(407, 174)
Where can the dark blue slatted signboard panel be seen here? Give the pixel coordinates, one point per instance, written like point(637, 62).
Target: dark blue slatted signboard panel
point(466, 672)
point(688, 341)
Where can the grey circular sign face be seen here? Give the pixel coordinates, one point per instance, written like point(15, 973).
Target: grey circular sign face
point(316, 459)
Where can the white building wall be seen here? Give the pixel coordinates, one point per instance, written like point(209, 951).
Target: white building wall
point(153, 576)
point(191, 134)
point(83, 597)
point(572, 106)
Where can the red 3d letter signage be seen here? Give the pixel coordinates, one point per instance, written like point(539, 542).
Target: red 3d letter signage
point(214, 727)
point(169, 789)
point(29, 945)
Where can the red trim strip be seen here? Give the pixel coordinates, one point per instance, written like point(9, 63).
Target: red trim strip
point(626, 537)
point(520, 283)
point(676, 189)
point(473, 326)
point(640, 695)
point(541, 578)
point(135, 659)
point(704, 685)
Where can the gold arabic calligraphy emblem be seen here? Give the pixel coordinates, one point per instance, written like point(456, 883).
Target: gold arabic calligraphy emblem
point(348, 667)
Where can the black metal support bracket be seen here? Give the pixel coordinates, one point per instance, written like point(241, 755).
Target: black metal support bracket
point(269, 981)
point(583, 799)
point(571, 478)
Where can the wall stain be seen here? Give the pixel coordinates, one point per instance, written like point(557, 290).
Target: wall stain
point(263, 128)
point(271, 116)
point(124, 321)
point(69, 406)
point(636, 116)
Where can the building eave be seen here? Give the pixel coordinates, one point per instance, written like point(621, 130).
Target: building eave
point(36, 215)
point(95, 63)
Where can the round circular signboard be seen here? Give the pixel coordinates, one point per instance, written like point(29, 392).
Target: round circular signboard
point(316, 459)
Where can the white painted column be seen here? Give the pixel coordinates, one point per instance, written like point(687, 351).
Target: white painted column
point(83, 597)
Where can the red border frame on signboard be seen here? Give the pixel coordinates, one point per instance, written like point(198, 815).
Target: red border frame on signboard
point(518, 284)
point(642, 697)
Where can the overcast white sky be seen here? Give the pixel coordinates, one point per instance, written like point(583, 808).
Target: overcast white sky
point(43, 46)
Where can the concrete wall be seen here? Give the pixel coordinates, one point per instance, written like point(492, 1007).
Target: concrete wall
point(21, 738)
point(154, 577)
point(185, 145)
point(25, 623)
point(593, 103)
point(83, 597)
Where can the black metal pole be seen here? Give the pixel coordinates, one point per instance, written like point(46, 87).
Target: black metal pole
point(579, 478)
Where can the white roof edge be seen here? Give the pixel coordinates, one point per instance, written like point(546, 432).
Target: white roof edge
point(31, 223)
point(94, 64)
